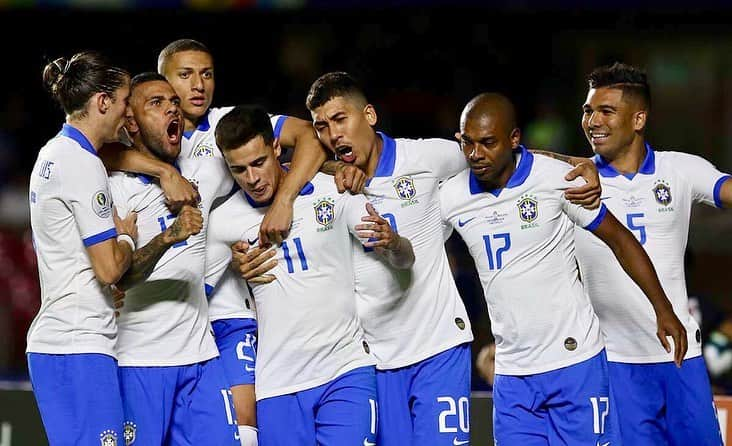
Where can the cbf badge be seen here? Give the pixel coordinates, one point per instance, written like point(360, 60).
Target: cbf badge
point(203, 150)
point(405, 189)
point(528, 210)
point(101, 204)
point(324, 213)
point(662, 192)
point(130, 432)
point(108, 438)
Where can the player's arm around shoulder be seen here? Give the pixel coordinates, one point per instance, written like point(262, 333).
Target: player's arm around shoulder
point(586, 195)
point(636, 263)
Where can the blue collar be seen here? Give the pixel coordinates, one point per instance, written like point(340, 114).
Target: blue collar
point(306, 190)
point(203, 126)
point(146, 179)
point(387, 159)
point(72, 132)
point(647, 167)
point(518, 177)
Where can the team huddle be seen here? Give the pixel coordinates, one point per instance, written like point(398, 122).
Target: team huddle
point(196, 291)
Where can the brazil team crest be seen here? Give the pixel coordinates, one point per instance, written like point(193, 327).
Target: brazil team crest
point(108, 438)
point(324, 213)
point(203, 150)
point(405, 189)
point(528, 210)
point(662, 192)
point(130, 432)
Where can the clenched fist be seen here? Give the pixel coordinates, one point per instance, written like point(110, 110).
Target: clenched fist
point(188, 223)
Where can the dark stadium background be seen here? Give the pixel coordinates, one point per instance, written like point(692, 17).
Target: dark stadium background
point(420, 63)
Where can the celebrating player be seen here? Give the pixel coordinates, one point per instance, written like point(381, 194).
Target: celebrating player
point(173, 384)
point(652, 192)
point(314, 375)
point(551, 384)
point(81, 246)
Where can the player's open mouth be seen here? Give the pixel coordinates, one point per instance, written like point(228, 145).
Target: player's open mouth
point(198, 101)
point(174, 131)
point(345, 154)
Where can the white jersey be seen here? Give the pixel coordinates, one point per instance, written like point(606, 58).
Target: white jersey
point(201, 141)
point(411, 315)
point(655, 205)
point(228, 294)
point(164, 321)
point(71, 209)
point(309, 332)
point(521, 239)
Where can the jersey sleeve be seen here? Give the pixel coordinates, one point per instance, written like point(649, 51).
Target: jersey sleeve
point(588, 219)
point(443, 157)
point(445, 208)
point(87, 192)
point(219, 173)
point(278, 121)
point(218, 253)
point(705, 180)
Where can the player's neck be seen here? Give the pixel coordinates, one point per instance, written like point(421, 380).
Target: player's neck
point(629, 159)
point(374, 156)
point(91, 132)
point(501, 180)
point(190, 124)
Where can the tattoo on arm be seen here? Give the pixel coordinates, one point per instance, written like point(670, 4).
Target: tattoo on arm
point(144, 261)
point(556, 156)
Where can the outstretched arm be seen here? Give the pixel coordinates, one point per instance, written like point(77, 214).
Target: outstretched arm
point(638, 266)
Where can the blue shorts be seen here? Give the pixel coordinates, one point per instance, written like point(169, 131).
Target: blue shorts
point(341, 412)
point(426, 403)
point(182, 405)
point(660, 404)
point(78, 397)
point(237, 343)
point(568, 406)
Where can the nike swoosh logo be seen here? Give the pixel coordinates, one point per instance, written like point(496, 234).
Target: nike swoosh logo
point(248, 369)
point(604, 444)
point(457, 442)
point(366, 442)
point(603, 199)
point(252, 242)
point(461, 224)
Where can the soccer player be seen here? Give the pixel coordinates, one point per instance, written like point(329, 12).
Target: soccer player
point(173, 384)
point(414, 321)
point(82, 246)
point(189, 67)
point(652, 193)
point(551, 384)
point(315, 379)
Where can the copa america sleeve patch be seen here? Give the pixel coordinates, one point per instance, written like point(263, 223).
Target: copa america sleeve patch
point(101, 204)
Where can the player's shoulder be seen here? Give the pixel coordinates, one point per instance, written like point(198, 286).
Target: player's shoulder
point(216, 113)
point(550, 172)
point(455, 190)
point(425, 143)
point(321, 184)
point(676, 158)
point(682, 164)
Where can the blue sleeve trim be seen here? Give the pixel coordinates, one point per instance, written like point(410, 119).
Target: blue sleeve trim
point(208, 288)
point(278, 126)
point(600, 217)
point(98, 238)
point(718, 190)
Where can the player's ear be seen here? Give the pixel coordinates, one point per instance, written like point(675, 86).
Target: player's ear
point(515, 137)
point(130, 123)
point(276, 148)
point(639, 120)
point(370, 112)
point(101, 101)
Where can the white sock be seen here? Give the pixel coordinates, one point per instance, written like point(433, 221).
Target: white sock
point(248, 435)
